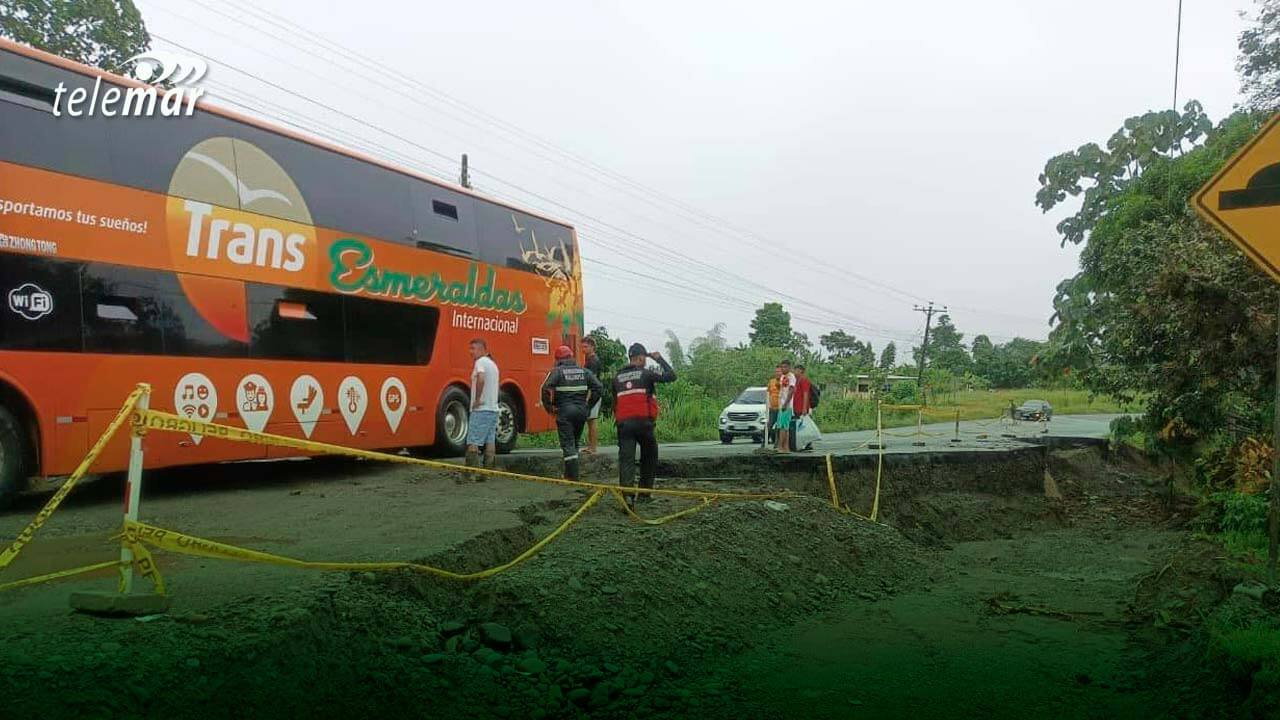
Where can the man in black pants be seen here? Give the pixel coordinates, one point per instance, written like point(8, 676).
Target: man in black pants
point(569, 391)
point(635, 410)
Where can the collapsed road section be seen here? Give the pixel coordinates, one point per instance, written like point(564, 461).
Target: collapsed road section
point(767, 608)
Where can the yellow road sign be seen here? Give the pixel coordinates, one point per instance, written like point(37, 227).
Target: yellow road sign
point(1243, 199)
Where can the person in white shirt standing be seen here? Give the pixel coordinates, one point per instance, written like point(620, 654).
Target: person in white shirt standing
point(786, 406)
point(482, 429)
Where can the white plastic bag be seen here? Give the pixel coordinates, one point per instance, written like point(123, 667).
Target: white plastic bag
point(807, 432)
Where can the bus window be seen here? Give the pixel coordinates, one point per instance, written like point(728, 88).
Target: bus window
point(145, 312)
point(145, 151)
point(514, 240)
point(33, 136)
point(379, 331)
point(340, 192)
point(444, 220)
point(292, 324)
point(42, 310)
point(121, 310)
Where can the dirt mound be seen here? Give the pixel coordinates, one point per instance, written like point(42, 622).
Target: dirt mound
point(609, 618)
point(654, 591)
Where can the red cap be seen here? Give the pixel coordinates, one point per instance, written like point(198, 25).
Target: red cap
point(564, 352)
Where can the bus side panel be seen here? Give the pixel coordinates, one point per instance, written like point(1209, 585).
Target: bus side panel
point(91, 388)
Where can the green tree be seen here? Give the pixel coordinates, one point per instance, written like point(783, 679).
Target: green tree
point(841, 345)
point(1101, 175)
point(771, 327)
point(105, 33)
point(888, 356)
point(1162, 303)
point(724, 373)
point(1259, 63)
point(981, 349)
point(1008, 365)
point(675, 351)
point(800, 348)
point(713, 341)
point(611, 351)
point(946, 348)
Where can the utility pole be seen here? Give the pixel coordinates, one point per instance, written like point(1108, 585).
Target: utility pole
point(1177, 57)
point(466, 175)
point(924, 348)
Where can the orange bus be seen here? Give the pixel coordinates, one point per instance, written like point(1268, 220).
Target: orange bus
point(253, 276)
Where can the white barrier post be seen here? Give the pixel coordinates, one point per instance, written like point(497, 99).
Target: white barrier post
point(879, 443)
point(132, 497)
point(919, 441)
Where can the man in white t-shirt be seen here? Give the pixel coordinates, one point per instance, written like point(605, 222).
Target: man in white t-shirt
point(786, 405)
point(482, 430)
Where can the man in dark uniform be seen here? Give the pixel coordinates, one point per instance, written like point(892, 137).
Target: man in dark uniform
point(635, 409)
point(569, 391)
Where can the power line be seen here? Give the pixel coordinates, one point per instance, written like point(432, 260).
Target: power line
point(669, 286)
point(835, 317)
point(718, 224)
point(1177, 57)
point(728, 275)
point(236, 97)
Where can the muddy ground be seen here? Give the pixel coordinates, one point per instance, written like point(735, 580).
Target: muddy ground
point(978, 597)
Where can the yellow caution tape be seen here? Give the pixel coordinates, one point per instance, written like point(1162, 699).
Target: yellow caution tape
point(38, 579)
point(875, 503)
point(156, 420)
point(147, 567)
point(24, 537)
point(831, 480)
point(620, 495)
point(137, 535)
point(172, 541)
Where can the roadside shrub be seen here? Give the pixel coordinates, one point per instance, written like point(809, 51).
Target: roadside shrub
point(1251, 654)
point(1243, 513)
point(1128, 430)
point(1214, 463)
point(1240, 520)
point(842, 414)
point(904, 393)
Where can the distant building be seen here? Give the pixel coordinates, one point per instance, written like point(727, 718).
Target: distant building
point(862, 388)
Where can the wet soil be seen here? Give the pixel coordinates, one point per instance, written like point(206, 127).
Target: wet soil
point(989, 599)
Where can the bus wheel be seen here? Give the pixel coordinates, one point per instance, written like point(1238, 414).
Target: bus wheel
point(12, 452)
point(451, 420)
point(508, 423)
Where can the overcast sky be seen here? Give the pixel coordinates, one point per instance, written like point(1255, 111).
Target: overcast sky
point(848, 159)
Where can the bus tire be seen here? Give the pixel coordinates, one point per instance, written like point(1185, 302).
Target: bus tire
point(508, 422)
point(13, 449)
point(452, 417)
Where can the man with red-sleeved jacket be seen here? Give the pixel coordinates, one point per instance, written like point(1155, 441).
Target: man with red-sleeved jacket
point(635, 409)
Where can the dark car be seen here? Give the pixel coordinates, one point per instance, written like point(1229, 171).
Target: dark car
point(1034, 410)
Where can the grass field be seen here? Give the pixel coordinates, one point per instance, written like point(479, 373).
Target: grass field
point(696, 418)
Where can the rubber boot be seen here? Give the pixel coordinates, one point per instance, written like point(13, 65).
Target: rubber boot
point(571, 469)
point(473, 458)
point(491, 462)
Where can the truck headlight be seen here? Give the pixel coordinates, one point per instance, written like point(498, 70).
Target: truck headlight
point(724, 420)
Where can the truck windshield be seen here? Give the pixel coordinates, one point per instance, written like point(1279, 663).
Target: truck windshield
point(755, 396)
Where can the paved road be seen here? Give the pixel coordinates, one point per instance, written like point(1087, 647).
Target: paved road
point(974, 435)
